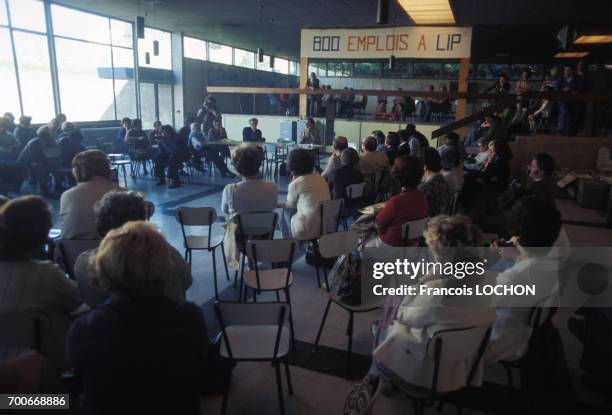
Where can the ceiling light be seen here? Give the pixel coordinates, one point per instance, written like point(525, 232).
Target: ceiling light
point(571, 54)
point(428, 11)
point(594, 39)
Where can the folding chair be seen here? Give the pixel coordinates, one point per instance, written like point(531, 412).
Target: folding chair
point(201, 217)
point(330, 214)
point(412, 231)
point(255, 332)
point(354, 195)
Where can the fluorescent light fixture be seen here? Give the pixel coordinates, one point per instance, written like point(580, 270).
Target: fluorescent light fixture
point(428, 11)
point(586, 39)
point(571, 54)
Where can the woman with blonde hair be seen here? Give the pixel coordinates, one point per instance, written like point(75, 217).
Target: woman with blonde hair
point(140, 350)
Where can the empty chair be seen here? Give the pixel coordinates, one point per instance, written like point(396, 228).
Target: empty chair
point(201, 217)
point(354, 197)
point(69, 250)
point(450, 355)
point(255, 332)
point(330, 213)
point(333, 245)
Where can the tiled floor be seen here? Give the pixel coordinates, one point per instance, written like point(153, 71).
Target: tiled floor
point(321, 391)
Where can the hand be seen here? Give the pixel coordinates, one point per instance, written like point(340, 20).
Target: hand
point(505, 251)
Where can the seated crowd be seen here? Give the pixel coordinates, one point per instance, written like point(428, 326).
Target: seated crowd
point(124, 327)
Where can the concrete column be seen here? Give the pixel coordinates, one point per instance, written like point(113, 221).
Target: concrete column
point(176, 42)
point(303, 80)
point(464, 71)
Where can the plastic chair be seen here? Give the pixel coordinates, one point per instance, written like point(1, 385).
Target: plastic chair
point(255, 332)
point(201, 217)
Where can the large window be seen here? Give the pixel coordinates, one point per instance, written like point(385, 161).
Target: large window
point(8, 84)
point(369, 69)
point(244, 58)
point(194, 48)
point(3, 16)
point(339, 69)
point(281, 65)
point(319, 68)
point(265, 65)
point(426, 70)
point(34, 75)
point(163, 60)
point(220, 53)
point(85, 96)
point(491, 71)
point(293, 68)
point(28, 14)
point(80, 25)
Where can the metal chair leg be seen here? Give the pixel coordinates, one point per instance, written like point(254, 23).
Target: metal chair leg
point(349, 333)
point(214, 265)
point(288, 374)
point(290, 318)
point(326, 280)
point(226, 395)
point(322, 323)
point(225, 262)
point(279, 386)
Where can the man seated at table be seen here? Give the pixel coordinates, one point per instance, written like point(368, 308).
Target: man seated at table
point(252, 133)
point(220, 152)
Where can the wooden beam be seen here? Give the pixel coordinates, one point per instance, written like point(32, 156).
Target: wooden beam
point(303, 80)
point(464, 72)
point(558, 96)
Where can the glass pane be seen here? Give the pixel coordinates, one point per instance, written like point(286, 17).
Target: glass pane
point(121, 33)
point(219, 53)
point(164, 59)
point(77, 75)
point(28, 14)
point(147, 103)
point(339, 69)
point(194, 48)
point(491, 71)
point(426, 70)
point(367, 68)
point(244, 58)
point(281, 65)
point(450, 70)
point(125, 93)
point(35, 76)
point(402, 69)
point(516, 71)
point(265, 65)
point(318, 68)
point(8, 82)
point(165, 104)
point(80, 25)
point(3, 17)
point(293, 68)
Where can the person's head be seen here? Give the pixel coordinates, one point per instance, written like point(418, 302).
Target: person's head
point(247, 159)
point(430, 88)
point(89, 164)
point(443, 88)
point(379, 136)
point(126, 122)
point(408, 171)
point(211, 101)
point(44, 132)
point(536, 222)
point(452, 138)
point(542, 165)
point(9, 116)
point(349, 157)
point(253, 123)
point(449, 158)
point(568, 71)
point(25, 121)
point(61, 118)
point(526, 74)
point(483, 145)
point(195, 127)
point(369, 144)
point(157, 125)
point(117, 208)
point(392, 140)
point(5, 124)
point(300, 162)
point(67, 127)
point(503, 78)
point(431, 160)
point(310, 122)
point(217, 123)
point(446, 235)
point(168, 131)
point(24, 226)
point(136, 124)
point(340, 144)
point(313, 75)
point(138, 274)
point(554, 72)
point(500, 148)
point(409, 130)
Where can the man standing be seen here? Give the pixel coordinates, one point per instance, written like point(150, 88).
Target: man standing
point(566, 83)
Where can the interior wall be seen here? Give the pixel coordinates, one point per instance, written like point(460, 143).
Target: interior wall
point(200, 74)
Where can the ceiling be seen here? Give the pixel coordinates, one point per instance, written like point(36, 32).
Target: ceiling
point(238, 22)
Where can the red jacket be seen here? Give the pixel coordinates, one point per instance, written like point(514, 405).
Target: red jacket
point(398, 210)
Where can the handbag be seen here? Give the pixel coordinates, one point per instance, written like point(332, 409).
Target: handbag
point(346, 278)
